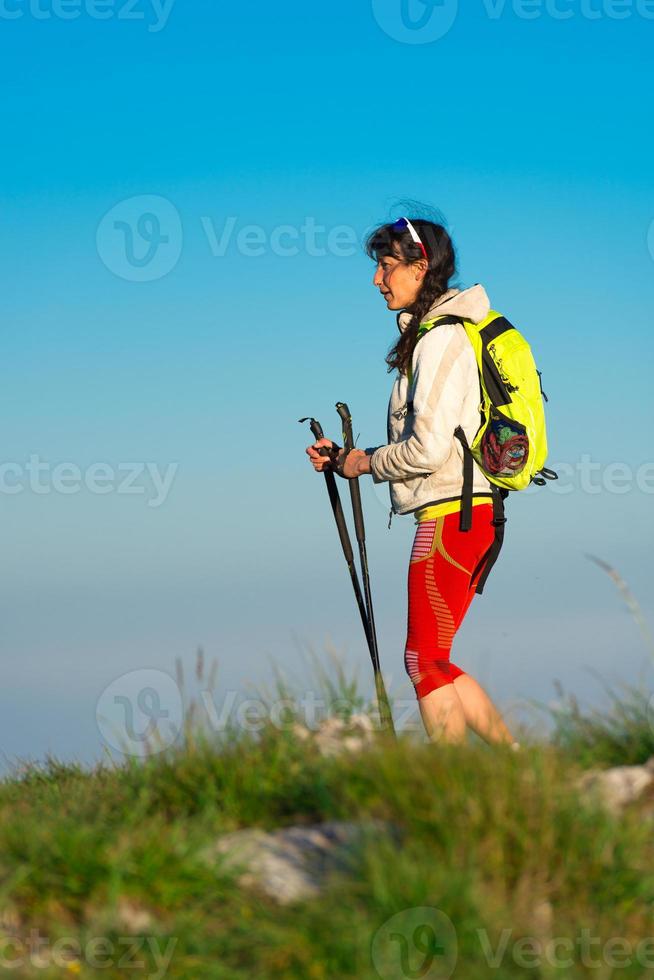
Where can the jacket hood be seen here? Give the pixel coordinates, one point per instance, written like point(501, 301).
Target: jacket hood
point(472, 303)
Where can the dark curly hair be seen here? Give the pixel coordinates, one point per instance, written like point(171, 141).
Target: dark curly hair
point(387, 240)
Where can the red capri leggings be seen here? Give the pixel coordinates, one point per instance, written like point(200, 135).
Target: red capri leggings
point(443, 573)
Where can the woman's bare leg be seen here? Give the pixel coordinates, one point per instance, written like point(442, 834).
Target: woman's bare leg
point(479, 711)
point(443, 715)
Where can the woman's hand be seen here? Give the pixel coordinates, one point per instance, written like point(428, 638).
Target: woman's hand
point(348, 465)
point(353, 464)
point(320, 463)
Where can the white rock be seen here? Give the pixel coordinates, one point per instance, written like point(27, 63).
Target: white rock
point(620, 785)
point(335, 735)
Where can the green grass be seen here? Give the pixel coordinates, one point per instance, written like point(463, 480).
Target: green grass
point(622, 734)
point(498, 841)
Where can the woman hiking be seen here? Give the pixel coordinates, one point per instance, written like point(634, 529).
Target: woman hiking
point(436, 390)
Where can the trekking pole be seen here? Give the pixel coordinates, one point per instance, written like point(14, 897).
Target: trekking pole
point(357, 510)
point(343, 533)
point(339, 517)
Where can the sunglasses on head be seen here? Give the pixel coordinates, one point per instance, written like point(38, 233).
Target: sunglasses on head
point(403, 223)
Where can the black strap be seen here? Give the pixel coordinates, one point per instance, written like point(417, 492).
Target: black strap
point(448, 318)
point(499, 495)
point(499, 520)
point(543, 475)
point(465, 522)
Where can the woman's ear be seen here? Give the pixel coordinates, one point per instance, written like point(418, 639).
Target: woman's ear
point(421, 267)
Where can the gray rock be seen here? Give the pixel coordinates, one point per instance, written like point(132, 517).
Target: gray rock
point(293, 863)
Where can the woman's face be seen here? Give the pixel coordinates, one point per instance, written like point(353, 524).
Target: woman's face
point(399, 282)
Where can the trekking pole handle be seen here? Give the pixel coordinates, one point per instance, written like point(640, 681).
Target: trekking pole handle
point(346, 420)
point(315, 426)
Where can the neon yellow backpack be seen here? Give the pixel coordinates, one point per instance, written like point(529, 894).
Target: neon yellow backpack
point(510, 446)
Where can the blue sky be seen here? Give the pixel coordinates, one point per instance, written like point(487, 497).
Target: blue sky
point(531, 133)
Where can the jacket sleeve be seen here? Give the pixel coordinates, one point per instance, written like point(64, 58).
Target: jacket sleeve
point(370, 452)
point(440, 369)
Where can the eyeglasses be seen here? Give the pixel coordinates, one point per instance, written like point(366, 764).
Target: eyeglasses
point(405, 223)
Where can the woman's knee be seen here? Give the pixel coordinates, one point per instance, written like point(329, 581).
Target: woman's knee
point(430, 676)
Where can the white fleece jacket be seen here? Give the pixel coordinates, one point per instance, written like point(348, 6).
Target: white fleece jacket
point(423, 461)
